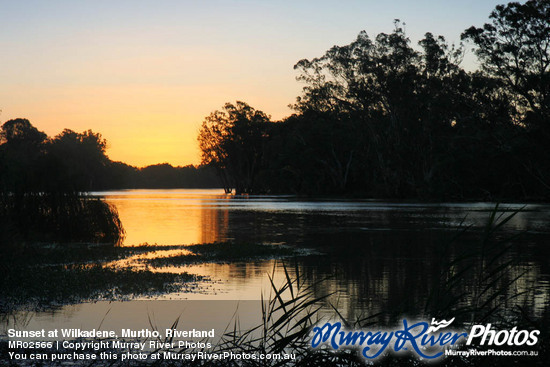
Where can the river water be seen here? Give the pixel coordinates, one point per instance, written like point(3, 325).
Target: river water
point(372, 256)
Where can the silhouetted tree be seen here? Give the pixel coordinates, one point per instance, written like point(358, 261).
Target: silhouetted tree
point(232, 140)
point(515, 50)
point(391, 108)
point(77, 161)
point(21, 132)
point(380, 118)
point(41, 182)
point(21, 155)
point(515, 47)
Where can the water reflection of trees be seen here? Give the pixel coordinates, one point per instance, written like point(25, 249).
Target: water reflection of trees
point(418, 279)
point(214, 224)
point(406, 262)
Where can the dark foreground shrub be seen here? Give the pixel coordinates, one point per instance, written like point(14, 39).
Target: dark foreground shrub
point(40, 217)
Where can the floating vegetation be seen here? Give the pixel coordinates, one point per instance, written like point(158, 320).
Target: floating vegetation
point(224, 252)
point(40, 276)
point(68, 253)
point(48, 286)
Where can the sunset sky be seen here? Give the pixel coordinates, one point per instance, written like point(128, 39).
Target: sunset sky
point(145, 73)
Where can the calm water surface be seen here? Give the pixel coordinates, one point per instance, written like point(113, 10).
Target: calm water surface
point(377, 256)
point(174, 217)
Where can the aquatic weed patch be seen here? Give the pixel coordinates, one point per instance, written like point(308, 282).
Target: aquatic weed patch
point(72, 253)
point(41, 276)
point(48, 286)
point(224, 252)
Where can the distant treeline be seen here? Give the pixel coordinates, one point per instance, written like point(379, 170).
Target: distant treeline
point(30, 161)
point(44, 181)
point(160, 176)
point(379, 118)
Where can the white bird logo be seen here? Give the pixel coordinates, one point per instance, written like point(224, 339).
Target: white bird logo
point(439, 325)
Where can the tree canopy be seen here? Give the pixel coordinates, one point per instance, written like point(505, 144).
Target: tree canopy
point(232, 141)
point(382, 117)
point(515, 48)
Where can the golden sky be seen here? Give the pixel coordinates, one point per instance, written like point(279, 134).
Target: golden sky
point(145, 73)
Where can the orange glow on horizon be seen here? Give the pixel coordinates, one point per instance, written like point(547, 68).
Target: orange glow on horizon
point(146, 76)
point(143, 125)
